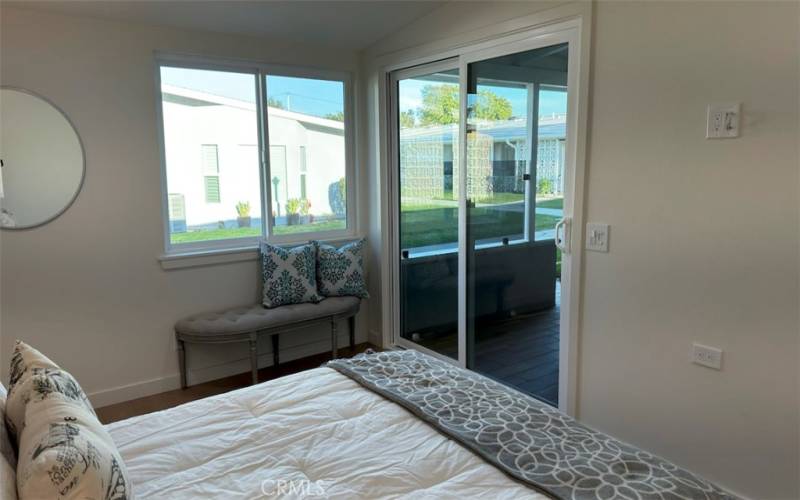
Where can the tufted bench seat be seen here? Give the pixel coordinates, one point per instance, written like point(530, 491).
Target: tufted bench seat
point(244, 324)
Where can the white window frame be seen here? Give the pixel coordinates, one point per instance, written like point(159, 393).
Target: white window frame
point(259, 71)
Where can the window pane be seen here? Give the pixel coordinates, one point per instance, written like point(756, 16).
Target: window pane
point(307, 154)
point(210, 143)
point(427, 119)
point(550, 156)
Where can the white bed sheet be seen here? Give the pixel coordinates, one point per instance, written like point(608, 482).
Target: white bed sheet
point(312, 434)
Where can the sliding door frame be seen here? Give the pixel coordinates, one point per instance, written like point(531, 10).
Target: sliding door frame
point(568, 314)
point(394, 192)
point(570, 23)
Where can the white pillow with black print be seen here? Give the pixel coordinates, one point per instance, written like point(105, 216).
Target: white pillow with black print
point(35, 377)
point(8, 457)
point(289, 275)
point(340, 271)
point(66, 453)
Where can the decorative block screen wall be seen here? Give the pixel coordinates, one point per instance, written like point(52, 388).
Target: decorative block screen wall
point(479, 167)
point(421, 168)
point(550, 165)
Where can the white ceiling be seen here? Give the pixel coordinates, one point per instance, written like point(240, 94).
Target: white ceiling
point(347, 24)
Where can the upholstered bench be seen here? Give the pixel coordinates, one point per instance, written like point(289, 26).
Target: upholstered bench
point(244, 324)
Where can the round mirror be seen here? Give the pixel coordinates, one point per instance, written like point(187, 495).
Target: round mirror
point(42, 160)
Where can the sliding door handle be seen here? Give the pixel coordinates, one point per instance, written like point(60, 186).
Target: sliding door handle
point(562, 234)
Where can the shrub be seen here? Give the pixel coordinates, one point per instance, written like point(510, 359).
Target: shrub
point(337, 197)
point(545, 186)
point(293, 205)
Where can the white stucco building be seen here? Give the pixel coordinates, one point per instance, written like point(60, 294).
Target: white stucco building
point(211, 148)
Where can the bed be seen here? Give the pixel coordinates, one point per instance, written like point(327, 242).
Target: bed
point(395, 424)
point(318, 429)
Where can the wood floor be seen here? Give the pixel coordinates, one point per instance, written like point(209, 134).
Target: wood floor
point(522, 352)
point(157, 402)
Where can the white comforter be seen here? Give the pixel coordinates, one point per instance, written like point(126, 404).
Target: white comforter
point(313, 434)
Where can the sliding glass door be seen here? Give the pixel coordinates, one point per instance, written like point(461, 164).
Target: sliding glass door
point(513, 316)
point(427, 117)
point(482, 180)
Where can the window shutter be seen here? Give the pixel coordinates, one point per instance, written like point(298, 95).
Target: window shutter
point(212, 188)
point(177, 207)
point(210, 159)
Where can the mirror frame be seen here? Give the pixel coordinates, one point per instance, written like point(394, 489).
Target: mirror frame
point(83, 158)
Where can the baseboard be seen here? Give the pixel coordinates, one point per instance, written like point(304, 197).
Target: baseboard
point(375, 337)
point(198, 375)
point(135, 390)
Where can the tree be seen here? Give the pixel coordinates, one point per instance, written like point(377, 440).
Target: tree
point(408, 119)
point(275, 103)
point(338, 116)
point(440, 105)
point(491, 106)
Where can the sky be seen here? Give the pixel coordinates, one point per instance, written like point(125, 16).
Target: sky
point(303, 95)
point(323, 97)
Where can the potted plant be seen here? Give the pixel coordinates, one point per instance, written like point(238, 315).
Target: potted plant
point(293, 211)
point(305, 208)
point(243, 210)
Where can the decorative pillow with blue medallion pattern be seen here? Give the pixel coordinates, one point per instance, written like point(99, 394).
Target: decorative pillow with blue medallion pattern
point(289, 274)
point(340, 271)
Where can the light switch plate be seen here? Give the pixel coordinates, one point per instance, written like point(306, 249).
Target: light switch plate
point(723, 120)
point(597, 237)
point(707, 356)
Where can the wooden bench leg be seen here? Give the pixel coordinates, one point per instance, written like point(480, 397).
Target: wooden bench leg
point(182, 362)
point(351, 321)
point(275, 350)
point(334, 339)
point(254, 358)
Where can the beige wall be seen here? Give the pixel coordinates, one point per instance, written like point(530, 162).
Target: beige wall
point(704, 234)
point(87, 289)
point(705, 239)
point(704, 243)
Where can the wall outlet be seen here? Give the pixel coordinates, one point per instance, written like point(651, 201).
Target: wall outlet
point(707, 356)
point(723, 121)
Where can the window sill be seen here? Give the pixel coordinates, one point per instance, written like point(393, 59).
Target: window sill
point(210, 257)
point(198, 258)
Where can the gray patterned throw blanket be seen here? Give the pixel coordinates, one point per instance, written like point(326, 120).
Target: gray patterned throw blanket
point(528, 440)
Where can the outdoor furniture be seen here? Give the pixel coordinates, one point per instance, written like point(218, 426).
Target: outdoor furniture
point(245, 324)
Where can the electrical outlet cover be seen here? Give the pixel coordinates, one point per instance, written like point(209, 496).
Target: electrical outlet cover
point(707, 356)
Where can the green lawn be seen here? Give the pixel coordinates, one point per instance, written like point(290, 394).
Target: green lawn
point(328, 225)
point(495, 199)
point(421, 225)
point(245, 232)
point(433, 226)
point(551, 203)
point(214, 234)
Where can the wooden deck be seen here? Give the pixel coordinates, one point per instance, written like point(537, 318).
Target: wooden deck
point(521, 352)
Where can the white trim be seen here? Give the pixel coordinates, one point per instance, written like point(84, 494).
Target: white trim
point(392, 194)
point(574, 189)
point(571, 22)
point(200, 374)
point(463, 207)
point(228, 255)
point(207, 257)
point(260, 71)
